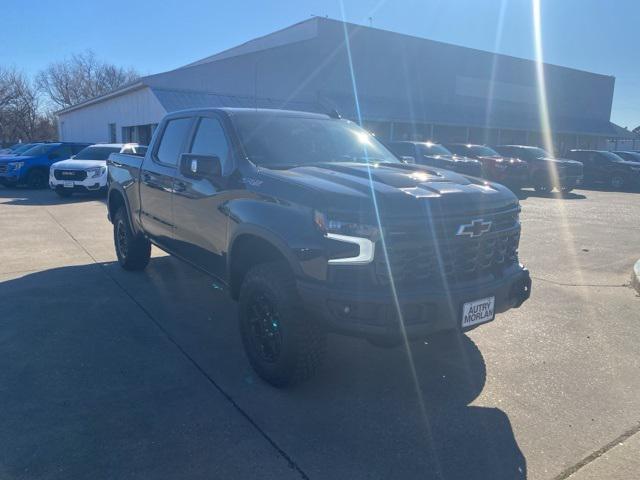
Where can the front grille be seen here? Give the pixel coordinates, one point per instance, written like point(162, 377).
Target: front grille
point(442, 257)
point(4, 168)
point(77, 175)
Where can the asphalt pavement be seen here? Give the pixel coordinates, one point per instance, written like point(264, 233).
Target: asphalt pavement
point(112, 374)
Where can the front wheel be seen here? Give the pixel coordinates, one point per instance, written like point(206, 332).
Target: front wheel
point(133, 251)
point(285, 346)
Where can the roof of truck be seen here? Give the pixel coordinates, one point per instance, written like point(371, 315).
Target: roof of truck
point(236, 111)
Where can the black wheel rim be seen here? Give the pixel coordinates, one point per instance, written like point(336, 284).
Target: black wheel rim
point(121, 240)
point(264, 327)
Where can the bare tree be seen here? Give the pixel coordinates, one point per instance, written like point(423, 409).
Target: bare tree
point(20, 116)
point(81, 77)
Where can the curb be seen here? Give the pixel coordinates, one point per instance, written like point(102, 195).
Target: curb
point(635, 276)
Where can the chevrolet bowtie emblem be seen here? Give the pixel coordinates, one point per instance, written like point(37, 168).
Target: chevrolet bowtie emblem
point(474, 229)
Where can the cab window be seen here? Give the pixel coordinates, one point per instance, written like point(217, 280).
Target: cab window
point(173, 139)
point(210, 139)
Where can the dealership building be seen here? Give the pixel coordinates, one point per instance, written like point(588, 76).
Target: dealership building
point(399, 86)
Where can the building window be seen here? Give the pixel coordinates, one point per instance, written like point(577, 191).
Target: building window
point(138, 133)
point(112, 133)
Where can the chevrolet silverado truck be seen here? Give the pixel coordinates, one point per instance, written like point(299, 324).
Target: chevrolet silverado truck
point(546, 172)
point(316, 228)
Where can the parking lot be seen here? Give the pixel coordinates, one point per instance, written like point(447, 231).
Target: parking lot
point(110, 374)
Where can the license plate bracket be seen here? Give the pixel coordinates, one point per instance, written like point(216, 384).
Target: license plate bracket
point(478, 311)
point(68, 184)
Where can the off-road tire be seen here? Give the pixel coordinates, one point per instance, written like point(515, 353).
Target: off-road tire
point(302, 343)
point(133, 251)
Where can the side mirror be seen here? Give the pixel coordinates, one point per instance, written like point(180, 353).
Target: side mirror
point(72, 157)
point(194, 165)
point(408, 159)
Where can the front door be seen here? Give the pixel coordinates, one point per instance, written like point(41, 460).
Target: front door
point(156, 181)
point(199, 216)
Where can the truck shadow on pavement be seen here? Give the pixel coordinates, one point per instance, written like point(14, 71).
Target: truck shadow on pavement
point(26, 196)
point(523, 194)
point(369, 413)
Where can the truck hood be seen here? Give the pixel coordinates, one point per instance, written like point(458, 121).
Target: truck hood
point(399, 188)
point(16, 158)
point(73, 164)
point(563, 161)
point(629, 163)
point(501, 158)
point(453, 158)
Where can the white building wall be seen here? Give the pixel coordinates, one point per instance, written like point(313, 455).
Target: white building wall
point(91, 123)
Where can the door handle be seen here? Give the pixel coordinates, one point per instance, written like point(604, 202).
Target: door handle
point(146, 178)
point(179, 186)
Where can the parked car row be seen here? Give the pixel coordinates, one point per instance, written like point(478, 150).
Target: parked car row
point(66, 167)
point(519, 166)
point(87, 171)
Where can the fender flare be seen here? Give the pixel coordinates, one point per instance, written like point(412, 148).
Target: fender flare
point(120, 191)
point(268, 236)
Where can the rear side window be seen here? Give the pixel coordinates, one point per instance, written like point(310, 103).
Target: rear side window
point(211, 140)
point(172, 142)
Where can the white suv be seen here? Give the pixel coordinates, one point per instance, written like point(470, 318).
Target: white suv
point(87, 171)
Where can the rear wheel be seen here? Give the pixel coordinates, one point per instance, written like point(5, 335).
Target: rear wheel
point(285, 346)
point(37, 178)
point(133, 251)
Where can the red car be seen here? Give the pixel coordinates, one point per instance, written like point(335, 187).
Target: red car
point(512, 172)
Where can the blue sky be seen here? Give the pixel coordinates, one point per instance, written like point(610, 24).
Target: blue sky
point(595, 35)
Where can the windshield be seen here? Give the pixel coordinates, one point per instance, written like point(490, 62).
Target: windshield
point(610, 156)
point(528, 153)
point(629, 156)
point(483, 151)
point(281, 141)
point(23, 148)
point(96, 153)
point(38, 150)
point(433, 149)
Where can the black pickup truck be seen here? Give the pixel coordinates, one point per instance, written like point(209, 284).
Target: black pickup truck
point(315, 227)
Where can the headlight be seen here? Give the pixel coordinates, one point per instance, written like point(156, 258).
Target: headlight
point(360, 235)
point(96, 172)
point(341, 227)
point(16, 165)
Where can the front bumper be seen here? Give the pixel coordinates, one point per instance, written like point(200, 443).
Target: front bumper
point(86, 185)
point(425, 310)
point(571, 180)
point(516, 177)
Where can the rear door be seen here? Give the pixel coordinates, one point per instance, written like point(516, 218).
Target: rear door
point(199, 213)
point(156, 180)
